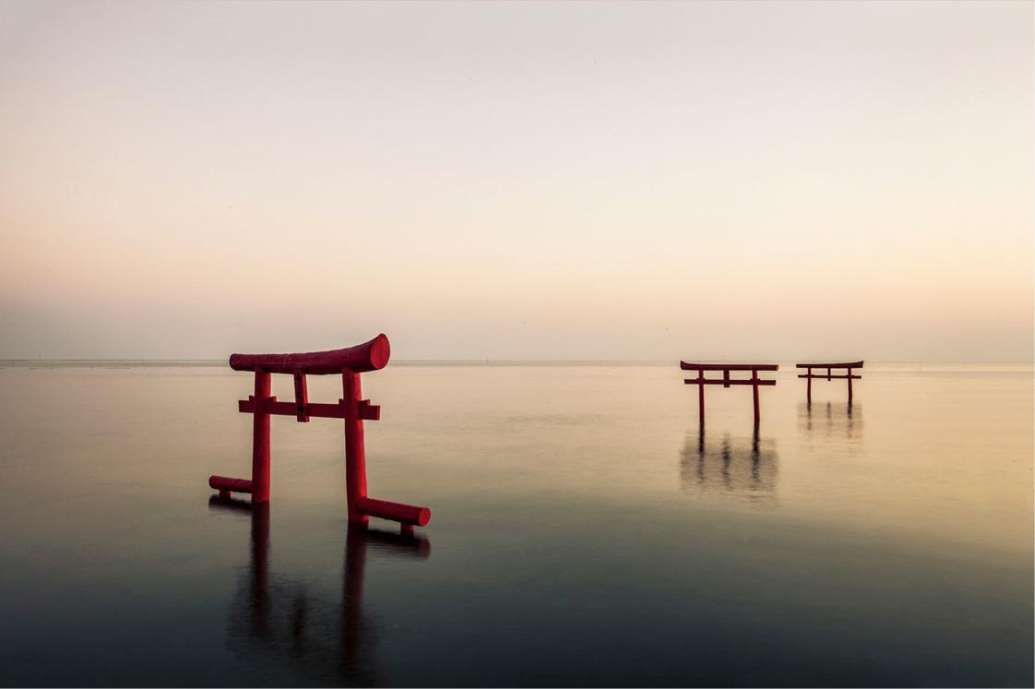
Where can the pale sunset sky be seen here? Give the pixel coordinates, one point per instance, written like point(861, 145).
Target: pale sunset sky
point(637, 181)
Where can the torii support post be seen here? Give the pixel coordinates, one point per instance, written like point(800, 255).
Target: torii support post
point(349, 363)
point(355, 449)
point(726, 381)
point(261, 439)
point(848, 375)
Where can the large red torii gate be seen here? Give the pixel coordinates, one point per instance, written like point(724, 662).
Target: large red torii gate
point(349, 362)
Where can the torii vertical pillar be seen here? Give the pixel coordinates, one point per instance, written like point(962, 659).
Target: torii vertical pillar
point(355, 452)
point(754, 390)
point(261, 439)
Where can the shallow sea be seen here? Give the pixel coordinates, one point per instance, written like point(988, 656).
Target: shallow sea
point(584, 531)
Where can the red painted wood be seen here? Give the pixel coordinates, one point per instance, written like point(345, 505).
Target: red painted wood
point(397, 511)
point(686, 366)
point(368, 411)
point(321, 410)
point(355, 452)
point(301, 397)
point(755, 395)
point(732, 381)
point(700, 397)
point(830, 377)
point(261, 440)
point(227, 484)
point(369, 356)
point(853, 364)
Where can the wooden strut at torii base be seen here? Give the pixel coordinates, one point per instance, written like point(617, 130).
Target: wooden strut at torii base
point(700, 381)
point(848, 374)
point(349, 362)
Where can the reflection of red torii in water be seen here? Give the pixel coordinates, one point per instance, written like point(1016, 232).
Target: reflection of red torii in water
point(735, 466)
point(272, 616)
point(349, 362)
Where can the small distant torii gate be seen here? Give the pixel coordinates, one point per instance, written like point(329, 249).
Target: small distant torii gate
point(848, 374)
point(700, 381)
point(349, 362)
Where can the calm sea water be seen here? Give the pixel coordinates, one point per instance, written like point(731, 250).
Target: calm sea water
point(583, 531)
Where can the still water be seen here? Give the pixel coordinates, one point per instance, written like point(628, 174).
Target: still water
point(583, 531)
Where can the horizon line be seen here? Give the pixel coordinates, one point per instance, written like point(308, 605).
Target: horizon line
point(209, 362)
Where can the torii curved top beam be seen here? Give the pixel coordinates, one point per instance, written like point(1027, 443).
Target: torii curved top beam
point(850, 364)
point(369, 356)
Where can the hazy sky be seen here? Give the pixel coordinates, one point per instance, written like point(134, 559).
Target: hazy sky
point(534, 180)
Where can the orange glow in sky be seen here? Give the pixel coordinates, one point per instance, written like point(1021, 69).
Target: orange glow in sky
point(518, 181)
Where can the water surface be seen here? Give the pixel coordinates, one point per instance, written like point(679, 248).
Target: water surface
point(584, 532)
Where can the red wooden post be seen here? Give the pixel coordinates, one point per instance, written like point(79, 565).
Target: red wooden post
point(700, 396)
point(808, 387)
point(754, 390)
point(301, 398)
point(406, 515)
point(261, 439)
point(355, 452)
point(849, 387)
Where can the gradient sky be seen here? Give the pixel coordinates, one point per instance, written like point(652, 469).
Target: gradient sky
point(518, 181)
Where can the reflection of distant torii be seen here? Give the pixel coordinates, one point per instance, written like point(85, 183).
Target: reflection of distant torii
point(830, 418)
point(740, 467)
point(277, 616)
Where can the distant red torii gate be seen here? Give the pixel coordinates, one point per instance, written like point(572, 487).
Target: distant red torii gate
point(849, 374)
point(700, 381)
point(349, 362)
